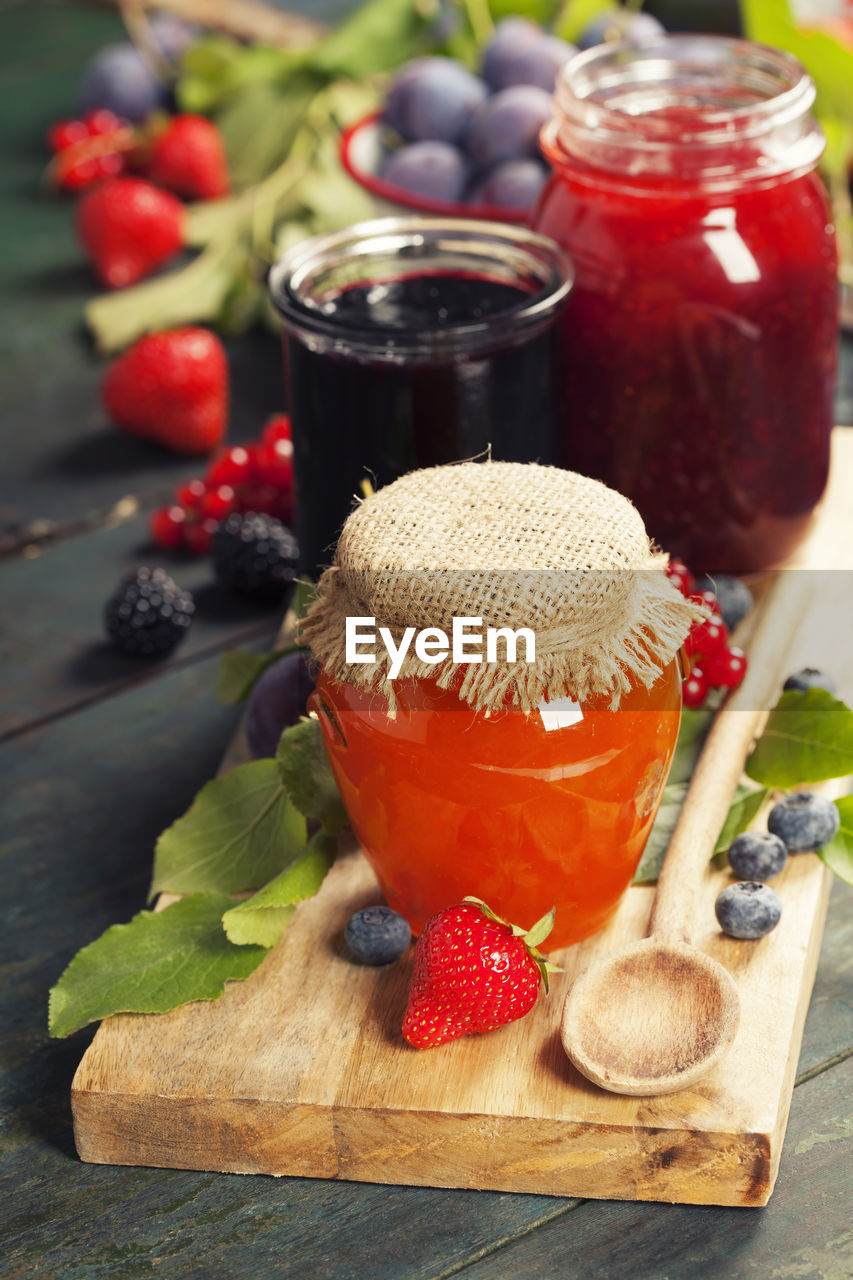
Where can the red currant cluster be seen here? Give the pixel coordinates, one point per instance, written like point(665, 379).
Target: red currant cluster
point(88, 149)
point(714, 663)
point(253, 477)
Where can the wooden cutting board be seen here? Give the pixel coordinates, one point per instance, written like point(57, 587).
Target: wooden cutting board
point(302, 1069)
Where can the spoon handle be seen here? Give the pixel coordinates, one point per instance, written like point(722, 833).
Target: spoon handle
point(721, 763)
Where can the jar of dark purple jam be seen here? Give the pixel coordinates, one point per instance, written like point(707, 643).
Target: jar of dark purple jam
point(414, 342)
point(701, 335)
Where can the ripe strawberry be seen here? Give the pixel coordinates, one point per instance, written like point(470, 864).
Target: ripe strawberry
point(171, 388)
point(473, 972)
point(128, 228)
point(188, 157)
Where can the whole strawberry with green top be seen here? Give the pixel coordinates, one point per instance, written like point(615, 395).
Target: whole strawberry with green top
point(188, 157)
point(473, 972)
point(128, 228)
point(172, 388)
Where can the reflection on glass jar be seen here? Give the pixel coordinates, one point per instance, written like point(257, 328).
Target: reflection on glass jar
point(447, 802)
point(701, 336)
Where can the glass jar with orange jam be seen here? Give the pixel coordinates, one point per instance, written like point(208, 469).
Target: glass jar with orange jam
point(447, 802)
point(491, 779)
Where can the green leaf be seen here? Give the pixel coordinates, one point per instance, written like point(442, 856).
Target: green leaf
point(744, 807)
point(262, 918)
point(259, 124)
point(664, 825)
point(378, 36)
point(827, 60)
point(691, 739)
point(216, 68)
point(538, 932)
point(838, 854)
point(747, 801)
point(240, 831)
point(333, 200)
point(208, 220)
point(545, 12)
point(240, 670)
point(576, 15)
point(192, 295)
point(304, 591)
point(205, 73)
point(306, 773)
point(160, 960)
point(808, 738)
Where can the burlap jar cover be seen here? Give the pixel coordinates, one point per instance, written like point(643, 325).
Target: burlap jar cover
point(518, 545)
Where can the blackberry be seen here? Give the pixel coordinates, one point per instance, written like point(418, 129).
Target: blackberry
point(255, 555)
point(148, 613)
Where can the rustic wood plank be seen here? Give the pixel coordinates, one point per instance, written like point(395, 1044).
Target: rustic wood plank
point(57, 655)
point(235, 1085)
point(803, 1232)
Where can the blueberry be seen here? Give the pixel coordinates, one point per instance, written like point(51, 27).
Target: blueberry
point(377, 935)
point(757, 855)
point(507, 127)
point(734, 598)
point(277, 701)
point(810, 678)
point(521, 53)
point(436, 170)
point(118, 79)
point(432, 99)
point(748, 909)
point(804, 821)
point(515, 184)
point(621, 24)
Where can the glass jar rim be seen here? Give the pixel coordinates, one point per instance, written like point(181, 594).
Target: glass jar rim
point(761, 62)
point(410, 242)
point(730, 92)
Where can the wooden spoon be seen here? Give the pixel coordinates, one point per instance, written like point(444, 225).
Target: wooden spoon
point(657, 1017)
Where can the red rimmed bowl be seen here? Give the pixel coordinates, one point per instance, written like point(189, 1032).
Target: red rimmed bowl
point(362, 153)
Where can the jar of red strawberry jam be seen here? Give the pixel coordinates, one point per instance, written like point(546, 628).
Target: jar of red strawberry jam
point(700, 338)
point(529, 773)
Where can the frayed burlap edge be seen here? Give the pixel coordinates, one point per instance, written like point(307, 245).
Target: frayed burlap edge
point(653, 628)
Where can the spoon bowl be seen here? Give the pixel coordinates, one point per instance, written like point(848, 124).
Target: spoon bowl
point(652, 1020)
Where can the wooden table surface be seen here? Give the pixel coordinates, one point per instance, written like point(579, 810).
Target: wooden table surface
point(98, 755)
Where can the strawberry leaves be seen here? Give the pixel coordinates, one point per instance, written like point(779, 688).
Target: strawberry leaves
point(473, 973)
point(532, 937)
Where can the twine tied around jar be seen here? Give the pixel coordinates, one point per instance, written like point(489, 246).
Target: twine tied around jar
point(516, 545)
